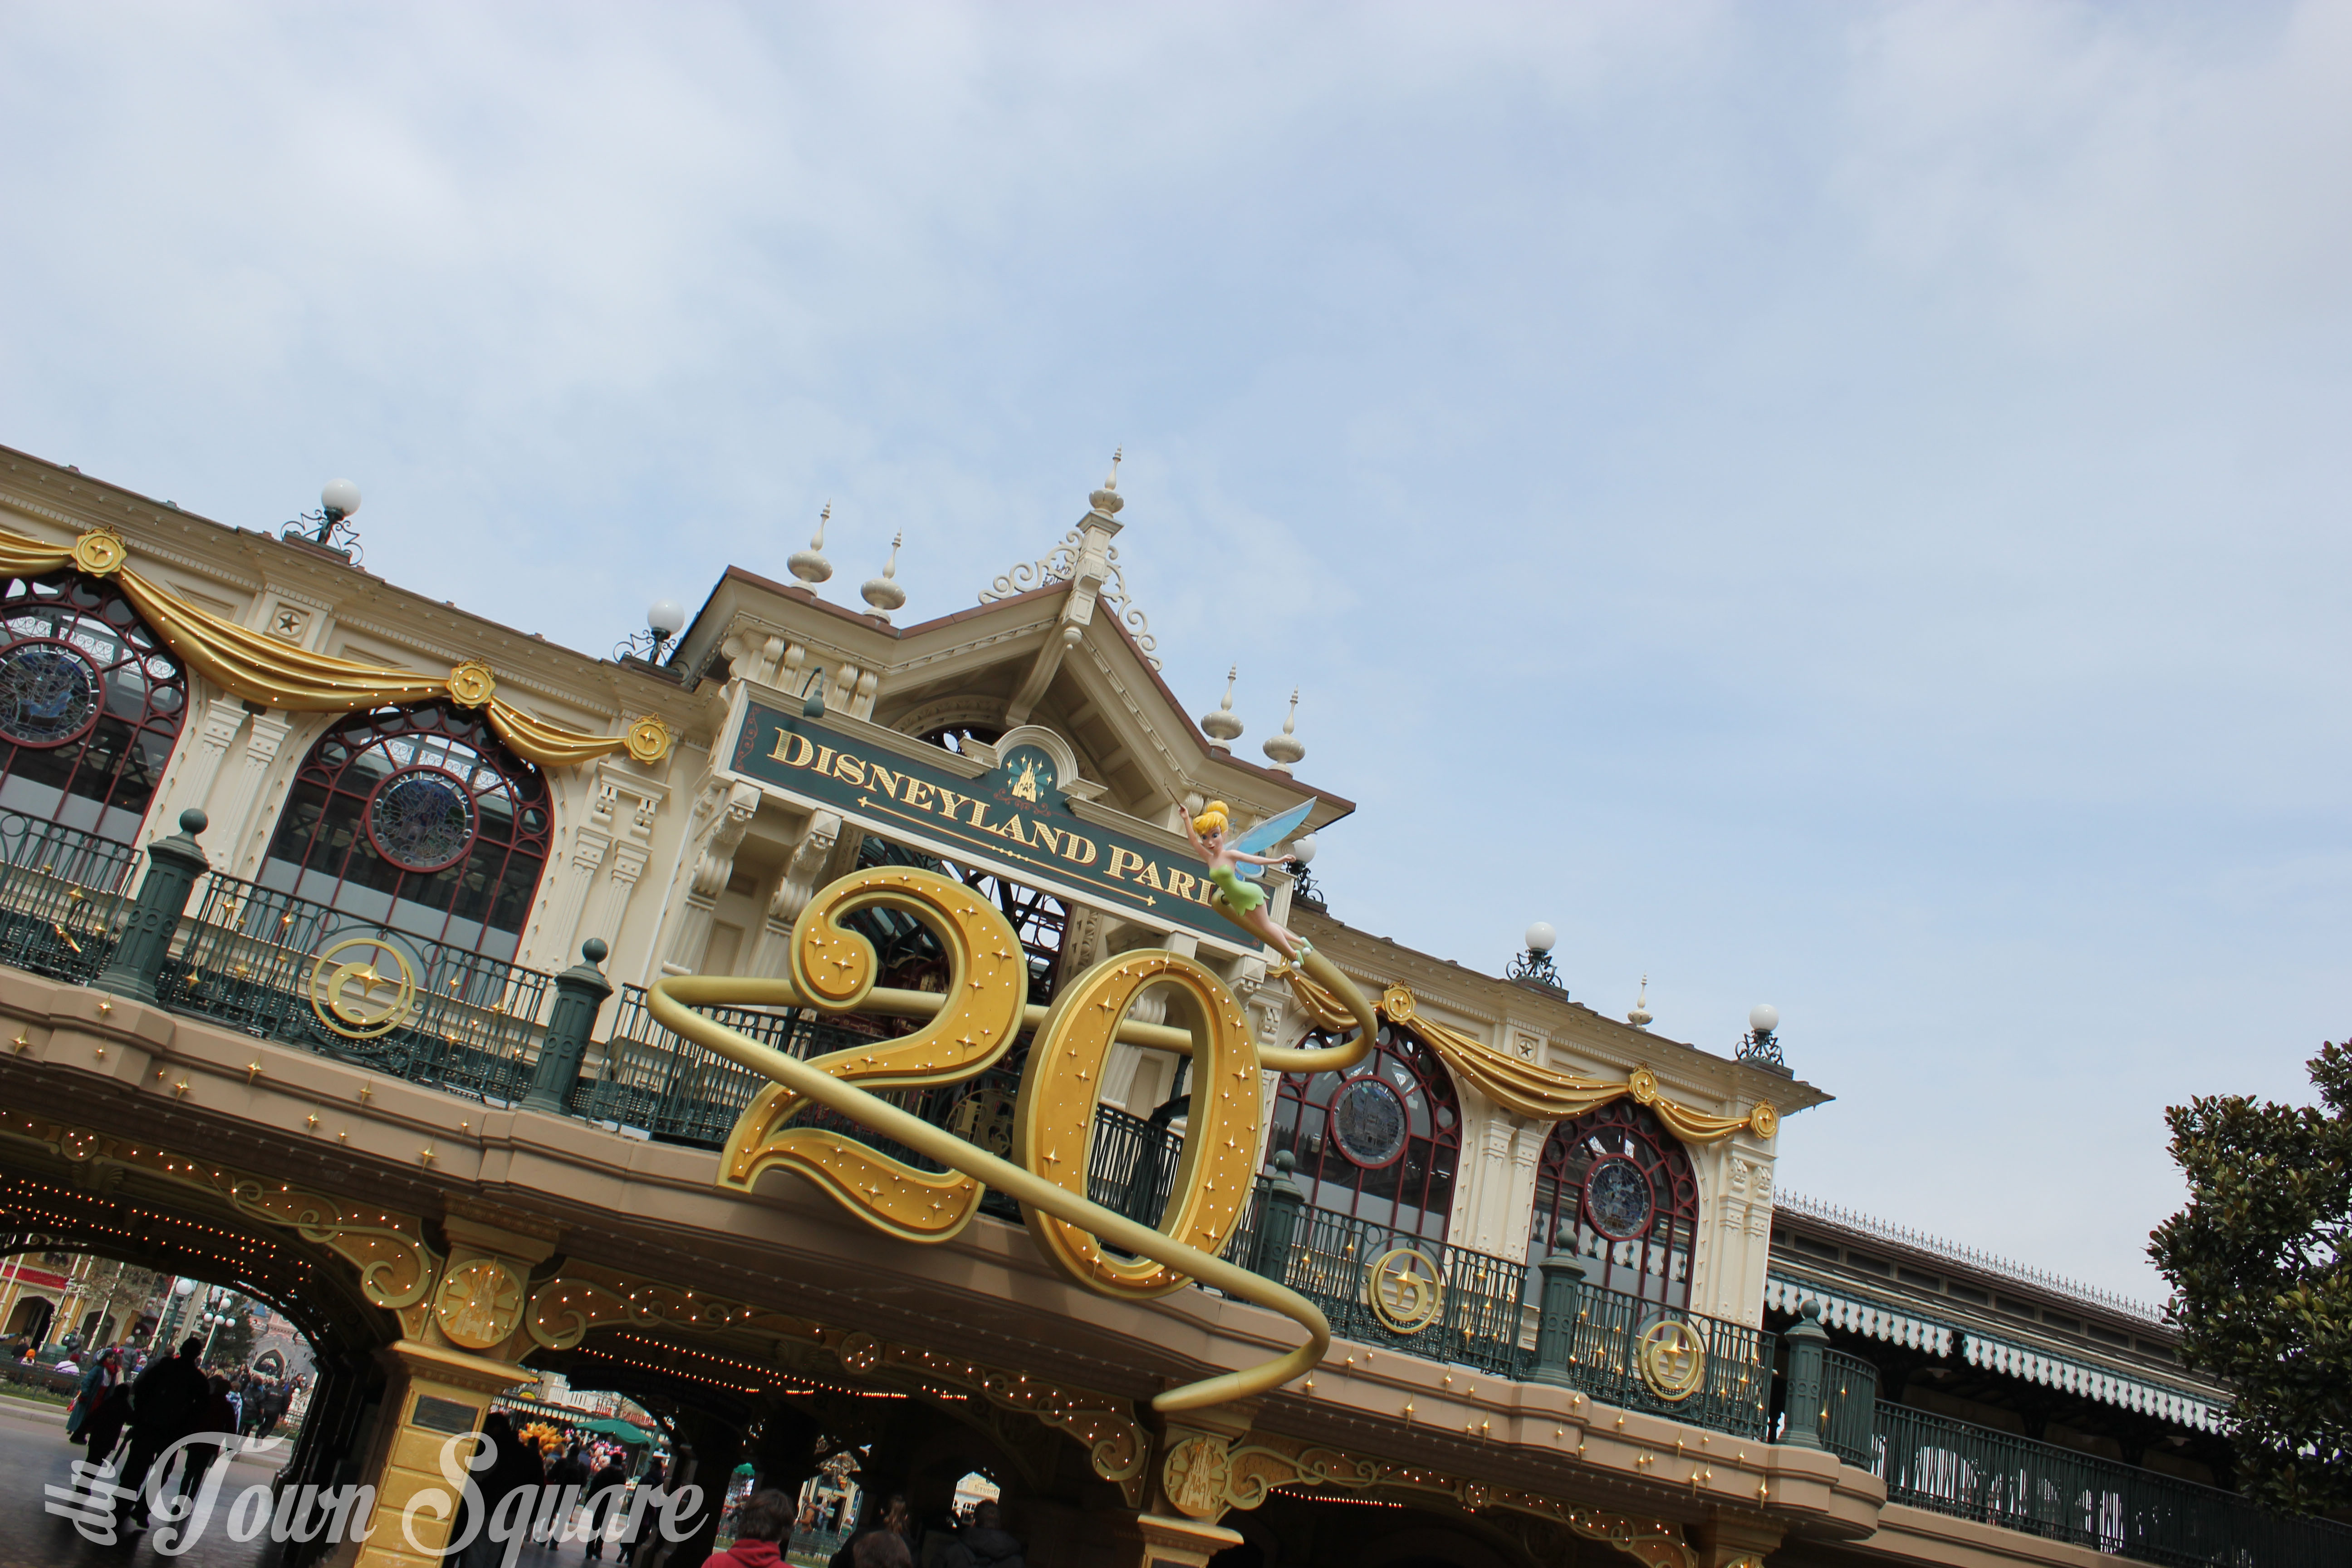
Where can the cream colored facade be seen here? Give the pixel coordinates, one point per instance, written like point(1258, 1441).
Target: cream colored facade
point(449, 1242)
point(684, 869)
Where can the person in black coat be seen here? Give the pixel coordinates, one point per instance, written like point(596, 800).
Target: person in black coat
point(567, 1472)
point(104, 1428)
point(603, 1499)
point(167, 1403)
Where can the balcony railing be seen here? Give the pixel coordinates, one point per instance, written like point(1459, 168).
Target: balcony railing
point(1849, 1427)
point(62, 895)
point(268, 963)
point(1933, 1462)
point(272, 965)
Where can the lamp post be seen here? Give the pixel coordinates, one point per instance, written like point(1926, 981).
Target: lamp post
point(1303, 890)
point(663, 617)
point(1761, 1045)
point(181, 1288)
point(331, 524)
point(1534, 968)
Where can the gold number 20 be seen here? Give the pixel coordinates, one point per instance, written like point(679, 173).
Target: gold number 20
point(983, 1007)
point(972, 1025)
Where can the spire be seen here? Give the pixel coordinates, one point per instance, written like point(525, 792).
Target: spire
point(883, 593)
point(1640, 1017)
point(1107, 500)
point(1224, 727)
point(1285, 751)
point(810, 565)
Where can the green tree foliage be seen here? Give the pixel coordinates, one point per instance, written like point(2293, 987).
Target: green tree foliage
point(2264, 1289)
point(233, 1340)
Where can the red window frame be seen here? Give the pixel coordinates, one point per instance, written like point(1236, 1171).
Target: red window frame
point(105, 776)
point(323, 850)
point(1656, 1263)
point(1410, 1192)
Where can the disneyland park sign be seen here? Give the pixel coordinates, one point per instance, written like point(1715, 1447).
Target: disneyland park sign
point(1014, 819)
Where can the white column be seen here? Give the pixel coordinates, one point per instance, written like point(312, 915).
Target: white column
point(610, 904)
point(206, 742)
point(238, 807)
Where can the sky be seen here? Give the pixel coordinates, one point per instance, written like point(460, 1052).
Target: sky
point(1832, 505)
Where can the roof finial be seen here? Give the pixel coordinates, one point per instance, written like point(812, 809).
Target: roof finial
point(1640, 1017)
point(810, 565)
point(1108, 499)
point(1224, 727)
point(1285, 751)
point(883, 593)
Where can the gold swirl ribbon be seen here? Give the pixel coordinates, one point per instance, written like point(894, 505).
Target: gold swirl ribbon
point(673, 1003)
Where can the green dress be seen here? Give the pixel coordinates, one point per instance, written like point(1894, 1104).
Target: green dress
point(1241, 895)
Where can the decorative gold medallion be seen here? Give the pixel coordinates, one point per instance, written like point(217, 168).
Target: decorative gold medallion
point(1405, 1289)
point(648, 740)
point(1762, 1119)
point(369, 994)
point(100, 553)
point(472, 683)
point(479, 1304)
point(1195, 1476)
point(1673, 1359)
point(1643, 1084)
point(1397, 1004)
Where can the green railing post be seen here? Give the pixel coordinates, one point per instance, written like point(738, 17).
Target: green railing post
point(173, 865)
point(580, 990)
point(1556, 1319)
point(1278, 1224)
point(1806, 1343)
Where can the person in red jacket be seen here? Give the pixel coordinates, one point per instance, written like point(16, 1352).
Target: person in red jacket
point(761, 1526)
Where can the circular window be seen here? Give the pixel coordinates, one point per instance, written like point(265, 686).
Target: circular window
point(420, 819)
point(1368, 1121)
point(50, 693)
point(1617, 1198)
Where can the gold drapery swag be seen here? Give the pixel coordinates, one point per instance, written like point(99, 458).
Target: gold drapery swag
point(1533, 1091)
point(279, 675)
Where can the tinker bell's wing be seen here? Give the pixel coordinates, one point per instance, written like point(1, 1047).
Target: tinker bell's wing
point(1261, 839)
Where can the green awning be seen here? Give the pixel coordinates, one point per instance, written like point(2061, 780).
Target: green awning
point(610, 1427)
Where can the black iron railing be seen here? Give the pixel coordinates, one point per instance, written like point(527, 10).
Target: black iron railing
point(1638, 1354)
point(308, 976)
point(1849, 1419)
point(62, 894)
point(278, 967)
point(1934, 1462)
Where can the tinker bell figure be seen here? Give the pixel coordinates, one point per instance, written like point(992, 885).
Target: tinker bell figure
point(1229, 868)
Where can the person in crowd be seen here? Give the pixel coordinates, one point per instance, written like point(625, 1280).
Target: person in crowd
point(604, 1498)
point(69, 1362)
point(103, 1430)
point(569, 1472)
point(893, 1520)
point(991, 1545)
point(104, 1373)
point(880, 1549)
point(656, 1474)
point(761, 1525)
point(220, 1416)
point(515, 1465)
point(166, 1403)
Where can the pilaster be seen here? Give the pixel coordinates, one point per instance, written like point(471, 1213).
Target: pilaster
point(241, 804)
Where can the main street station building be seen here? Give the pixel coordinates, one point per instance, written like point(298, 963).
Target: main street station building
point(329, 917)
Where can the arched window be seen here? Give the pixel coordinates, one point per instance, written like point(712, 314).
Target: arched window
point(1624, 1187)
point(420, 819)
point(1380, 1141)
point(91, 706)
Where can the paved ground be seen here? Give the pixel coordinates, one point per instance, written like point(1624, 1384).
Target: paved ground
point(33, 1453)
